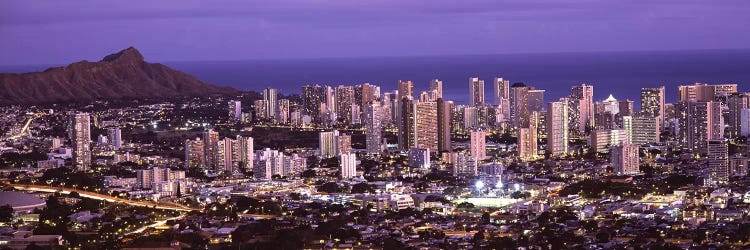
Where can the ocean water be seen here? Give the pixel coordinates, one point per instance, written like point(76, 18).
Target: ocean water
point(621, 74)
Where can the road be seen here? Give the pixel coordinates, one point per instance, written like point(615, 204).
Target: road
point(104, 197)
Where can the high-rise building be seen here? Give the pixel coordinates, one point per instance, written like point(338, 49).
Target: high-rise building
point(115, 138)
point(348, 163)
point(419, 157)
point(601, 140)
point(528, 139)
point(343, 144)
point(344, 102)
point(557, 127)
point(699, 122)
point(225, 155)
point(626, 107)
point(736, 103)
point(245, 152)
point(718, 161)
point(260, 107)
point(328, 143)
point(405, 123)
point(652, 103)
point(701, 92)
point(195, 154)
point(625, 159)
point(373, 127)
point(366, 93)
point(476, 91)
point(524, 100)
point(315, 96)
point(405, 89)
point(583, 96)
point(210, 142)
point(268, 163)
point(426, 125)
point(471, 118)
point(478, 145)
point(235, 111)
point(444, 109)
point(80, 135)
point(436, 87)
point(645, 129)
point(501, 89)
point(270, 95)
point(282, 111)
point(745, 122)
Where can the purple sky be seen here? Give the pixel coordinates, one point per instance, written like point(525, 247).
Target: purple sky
point(54, 31)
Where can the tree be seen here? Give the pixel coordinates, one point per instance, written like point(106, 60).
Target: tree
point(361, 188)
point(330, 187)
point(6, 213)
point(465, 205)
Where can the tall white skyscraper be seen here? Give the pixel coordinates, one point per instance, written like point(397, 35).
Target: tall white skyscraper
point(625, 159)
point(348, 163)
point(476, 91)
point(478, 145)
point(80, 134)
point(270, 95)
point(328, 143)
point(557, 127)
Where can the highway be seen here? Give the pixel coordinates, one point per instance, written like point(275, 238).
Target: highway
point(98, 196)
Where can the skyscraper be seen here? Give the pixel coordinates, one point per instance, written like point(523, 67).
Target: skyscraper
point(652, 103)
point(405, 123)
point(210, 142)
point(115, 138)
point(373, 127)
point(426, 125)
point(527, 139)
point(501, 89)
point(246, 152)
point(478, 145)
point(436, 87)
point(626, 107)
point(270, 95)
point(405, 88)
point(445, 109)
point(80, 134)
point(313, 96)
point(584, 96)
point(476, 91)
point(624, 158)
point(419, 158)
point(736, 102)
point(699, 122)
point(718, 161)
point(522, 103)
point(645, 129)
point(195, 154)
point(344, 102)
point(701, 92)
point(282, 111)
point(348, 163)
point(343, 144)
point(557, 127)
point(328, 143)
point(235, 111)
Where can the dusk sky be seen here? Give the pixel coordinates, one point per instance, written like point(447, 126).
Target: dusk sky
point(55, 32)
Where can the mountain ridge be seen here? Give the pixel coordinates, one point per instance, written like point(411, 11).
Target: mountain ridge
point(124, 74)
